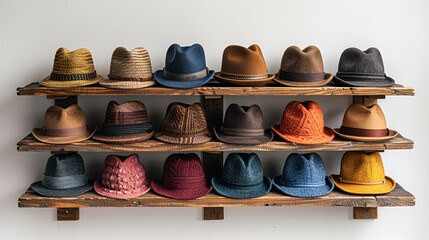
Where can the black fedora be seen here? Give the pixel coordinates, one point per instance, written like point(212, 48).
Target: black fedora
point(243, 125)
point(362, 69)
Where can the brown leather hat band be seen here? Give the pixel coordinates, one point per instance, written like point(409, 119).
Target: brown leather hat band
point(73, 77)
point(66, 132)
point(359, 183)
point(301, 77)
point(242, 132)
point(243, 76)
point(364, 132)
point(360, 76)
point(133, 79)
point(185, 77)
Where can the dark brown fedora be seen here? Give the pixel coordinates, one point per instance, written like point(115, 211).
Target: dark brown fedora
point(184, 124)
point(243, 125)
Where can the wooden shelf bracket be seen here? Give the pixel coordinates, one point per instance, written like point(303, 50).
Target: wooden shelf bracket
point(365, 213)
point(67, 214)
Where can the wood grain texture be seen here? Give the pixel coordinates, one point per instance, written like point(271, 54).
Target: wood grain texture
point(67, 214)
point(213, 213)
point(365, 213)
point(335, 198)
point(215, 88)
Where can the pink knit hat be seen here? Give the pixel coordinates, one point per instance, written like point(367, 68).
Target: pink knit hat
point(123, 177)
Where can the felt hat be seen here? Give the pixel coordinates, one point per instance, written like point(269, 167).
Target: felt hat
point(72, 69)
point(303, 123)
point(63, 126)
point(362, 69)
point(365, 124)
point(242, 177)
point(184, 124)
point(185, 67)
point(183, 178)
point(244, 126)
point(129, 69)
point(243, 67)
point(304, 176)
point(125, 123)
point(123, 177)
point(64, 177)
point(302, 68)
point(363, 173)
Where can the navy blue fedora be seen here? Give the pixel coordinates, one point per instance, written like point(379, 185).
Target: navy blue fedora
point(242, 177)
point(304, 176)
point(64, 177)
point(185, 67)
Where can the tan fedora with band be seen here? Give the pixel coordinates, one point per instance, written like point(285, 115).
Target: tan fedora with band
point(63, 126)
point(365, 124)
point(302, 68)
point(129, 69)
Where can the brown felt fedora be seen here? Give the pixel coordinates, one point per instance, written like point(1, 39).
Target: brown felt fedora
point(302, 68)
point(63, 125)
point(184, 124)
point(125, 123)
point(243, 67)
point(244, 126)
point(365, 124)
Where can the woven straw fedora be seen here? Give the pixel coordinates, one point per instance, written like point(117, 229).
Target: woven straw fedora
point(129, 69)
point(365, 124)
point(72, 69)
point(184, 124)
point(363, 173)
point(63, 125)
point(303, 123)
point(243, 67)
point(302, 68)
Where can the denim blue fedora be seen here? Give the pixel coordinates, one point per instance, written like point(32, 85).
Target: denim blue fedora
point(304, 176)
point(185, 67)
point(242, 177)
point(64, 177)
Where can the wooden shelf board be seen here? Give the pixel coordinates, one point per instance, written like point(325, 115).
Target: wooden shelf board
point(215, 88)
point(398, 197)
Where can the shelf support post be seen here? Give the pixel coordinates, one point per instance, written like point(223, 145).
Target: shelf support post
point(67, 214)
point(367, 100)
point(63, 101)
point(365, 213)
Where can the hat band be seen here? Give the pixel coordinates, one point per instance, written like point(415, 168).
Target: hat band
point(360, 183)
point(185, 76)
point(73, 77)
point(184, 182)
point(352, 76)
point(241, 186)
point(301, 77)
point(364, 132)
point(132, 79)
point(126, 117)
point(65, 132)
point(64, 182)
point(125, 129)
point(239, 76)
point(245, 132)
point(302, 184)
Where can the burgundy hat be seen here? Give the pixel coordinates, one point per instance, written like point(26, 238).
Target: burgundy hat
point(123, 177)
point(183, 178)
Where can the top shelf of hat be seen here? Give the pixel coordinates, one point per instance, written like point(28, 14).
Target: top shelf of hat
point(216, 88)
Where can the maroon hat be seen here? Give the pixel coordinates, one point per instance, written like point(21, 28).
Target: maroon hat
point(123, 177)
point(183, 178)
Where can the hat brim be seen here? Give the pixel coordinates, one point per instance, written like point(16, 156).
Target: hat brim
point(112, 193)
point(392, 134)
point(364, 83)
point(159, 78)
point(197, 139)
point(328, 78)
point(388, 185)
point(182, 193)
point(123, 139)
point(37, 133)
point(117, 84)
point(267, 137)
point(327, 136)
point(225, 191)
point(244, 83)
point(69, 192)
point(305, 192)
point(47, 82)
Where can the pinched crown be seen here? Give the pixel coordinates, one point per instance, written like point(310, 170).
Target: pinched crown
point(132, 112)
point(302, 119)
point(129, 65)
point(75, 62)
point(362, 167)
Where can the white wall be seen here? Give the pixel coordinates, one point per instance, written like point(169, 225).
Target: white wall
point(31, 32)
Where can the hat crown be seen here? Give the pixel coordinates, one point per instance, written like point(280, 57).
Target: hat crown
point(302, 119)
point(241, 60)
point(243, 117)
point(75, 62)
point(131, 112)
point(304, 168)
point(308, 60)
point(243, 169)
point(130, 64)
point(184, 168)
point(63, 118)
point(185, 60)
point(61, 165)
point(124, 173)
point(362, 167)
point(184, 120)
point(354, 60)
point(359, 116)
